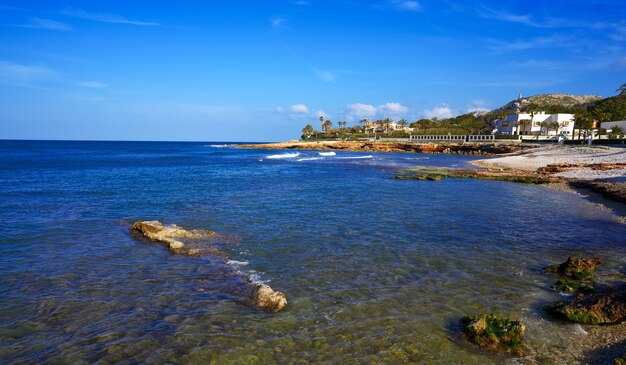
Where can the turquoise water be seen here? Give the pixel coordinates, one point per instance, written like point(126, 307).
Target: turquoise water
point(376, 270)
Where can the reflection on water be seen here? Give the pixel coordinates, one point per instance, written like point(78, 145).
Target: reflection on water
point(375, 269)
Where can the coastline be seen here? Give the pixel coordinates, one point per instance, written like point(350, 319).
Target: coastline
point(598, 169)
point(475, 149)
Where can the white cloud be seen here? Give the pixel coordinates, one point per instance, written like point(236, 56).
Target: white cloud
point(39, 23)
point(477, 105)
point(360, 110)
point(439, 112)
point(325, 75)
point(392, 109)
point(277, 23)
point(321, 113)
point(299, 109)
point(16, 73)
point(103, 18)
point(92, 84)
point(410, 5)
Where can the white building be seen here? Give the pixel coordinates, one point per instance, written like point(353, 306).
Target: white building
point(538, 124)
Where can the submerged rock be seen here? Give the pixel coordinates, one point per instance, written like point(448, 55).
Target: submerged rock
point(268, 299)
point(495, 333)
point(577, 268)
point(604, 307)
point(196, 243)
point(571, 286)
point(172, 234)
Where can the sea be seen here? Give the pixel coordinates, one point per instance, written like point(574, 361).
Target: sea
point(375, 269)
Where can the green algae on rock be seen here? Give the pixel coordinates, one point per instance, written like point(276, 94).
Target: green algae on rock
point(495, 333)
point(571, 286)
point(603, 307)
point(440, 174)
point(576, 268)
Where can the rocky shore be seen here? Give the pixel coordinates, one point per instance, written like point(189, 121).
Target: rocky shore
point(475, 149)
point(598, 169)
point(198, 242)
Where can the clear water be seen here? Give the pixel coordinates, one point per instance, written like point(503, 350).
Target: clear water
point(376, 270)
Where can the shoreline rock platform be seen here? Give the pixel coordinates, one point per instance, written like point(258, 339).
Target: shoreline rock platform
point(196, 242)
point(475, 149)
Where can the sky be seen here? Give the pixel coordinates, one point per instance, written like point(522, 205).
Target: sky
point(261, 70)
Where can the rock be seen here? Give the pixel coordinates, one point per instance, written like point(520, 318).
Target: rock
point(620, 360)
point(171, 235)
point(570, 286)
point(495, 333)
point(268, 299)
point(604, 307)
point(576, 268)
point(194, 243)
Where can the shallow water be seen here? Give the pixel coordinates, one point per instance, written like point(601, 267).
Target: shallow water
point(374, 269)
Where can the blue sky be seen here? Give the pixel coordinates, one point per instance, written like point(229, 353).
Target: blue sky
point(260, 70)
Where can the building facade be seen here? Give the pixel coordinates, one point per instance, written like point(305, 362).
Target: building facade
point(539, 123)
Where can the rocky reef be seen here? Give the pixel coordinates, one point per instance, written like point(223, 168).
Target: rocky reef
point(576, 268)
point(438, 174)
point(198, 242)
point(475, 149)
point(607, 306)
point(495, 333)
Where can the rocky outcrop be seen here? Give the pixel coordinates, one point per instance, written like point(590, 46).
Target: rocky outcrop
point(438, 174)
point(268, 299)
point(495, 333)
point(576, 268)
point(603, 307)
point(200, 243)
point(171, 235)
point(612, 190)
point(477, 149)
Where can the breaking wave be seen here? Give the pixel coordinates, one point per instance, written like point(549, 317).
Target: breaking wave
point(327, 153)
point(284, 155)
point(356, 157)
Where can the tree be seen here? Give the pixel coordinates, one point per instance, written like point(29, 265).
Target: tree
point(545, 125)
point(600, 117)
point(387, 124)
point(621, 90)
point(554, 125)
point(617, 131)
point(582, 120)
point(322, 121)
point(522, 124)
point(308, 131)
point(326, 127)
point(402, 123)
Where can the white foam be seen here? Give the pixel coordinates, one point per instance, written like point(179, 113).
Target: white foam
point(579, 330)
point(310, 159)
point(284, 155)
point(237, 263)
point(220, 145)
point(356, 157)
point(327, 153)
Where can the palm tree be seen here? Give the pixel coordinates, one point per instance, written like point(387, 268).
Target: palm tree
point(621, 90)
point(387, 123)
point(327, 126)
point(523, 123)
point(402, 123)
point(601, 117)
point(554, 125)
point(582, 120)
point(502, 116)
point(322, 121)
point(617, 131)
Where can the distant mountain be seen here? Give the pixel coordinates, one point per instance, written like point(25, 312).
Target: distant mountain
point(549, 102)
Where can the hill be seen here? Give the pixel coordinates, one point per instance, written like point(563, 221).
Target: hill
point(551, 103)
